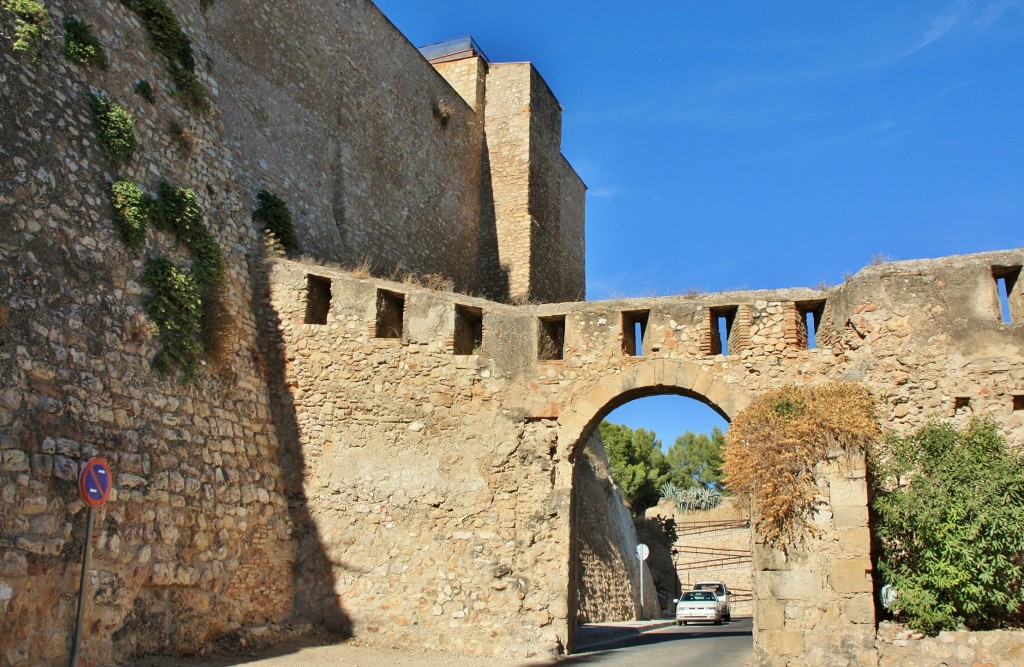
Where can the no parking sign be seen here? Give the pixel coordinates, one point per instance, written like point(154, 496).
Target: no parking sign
point(94, 483)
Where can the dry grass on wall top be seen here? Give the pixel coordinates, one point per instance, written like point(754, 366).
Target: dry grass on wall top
point(773, 446)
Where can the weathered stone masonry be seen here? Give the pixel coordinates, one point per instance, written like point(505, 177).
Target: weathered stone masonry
point(384, 485)
point(488, 507)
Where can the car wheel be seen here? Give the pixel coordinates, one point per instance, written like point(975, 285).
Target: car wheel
point(679, 622)
point(682, 622)
point(718, 621)
point(728, 618)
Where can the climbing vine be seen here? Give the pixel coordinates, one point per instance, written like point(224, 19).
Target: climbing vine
point(116, 130)
point(31, 26)
point(174, 45)
point(774, 445)
point(130, 212)
point(176, 306)
point(80, 45)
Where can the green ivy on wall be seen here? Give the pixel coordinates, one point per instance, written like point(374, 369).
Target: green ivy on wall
point(116, 129)
point(171, 41)
point(176, 307)
point(80, 45)
point(130, 212)
point(31, 26)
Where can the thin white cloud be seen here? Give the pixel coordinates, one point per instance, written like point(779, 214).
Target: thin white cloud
point(991, 13)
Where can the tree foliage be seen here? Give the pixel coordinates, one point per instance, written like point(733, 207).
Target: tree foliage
point(949, 509)
point(774, 445)
point(638, 465)
point(695, 460)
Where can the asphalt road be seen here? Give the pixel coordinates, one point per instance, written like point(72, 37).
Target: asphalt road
point(727, 645)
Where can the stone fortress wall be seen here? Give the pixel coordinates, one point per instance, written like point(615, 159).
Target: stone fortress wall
point(384, 485)
point(490, 507)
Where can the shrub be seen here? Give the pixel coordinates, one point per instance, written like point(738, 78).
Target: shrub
point(693, 499)
point(130, 212)
point(80, 45)
point(31, 25)
point(273, 212)
point(176, 308)
point(949, 511)
point(144, 90)
point(116, 129)
point(773, 446)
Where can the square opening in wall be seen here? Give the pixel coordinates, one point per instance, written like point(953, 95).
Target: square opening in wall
point(1011, 302)
point(318, 299)
point(722, 319)
point(1018, 403)
point(469, 330)
point(634, 330)
point(810, 321)
point(551, 338)
point(961, 405)
point(390, 314)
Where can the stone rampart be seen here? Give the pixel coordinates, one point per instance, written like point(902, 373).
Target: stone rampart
point(404, 470)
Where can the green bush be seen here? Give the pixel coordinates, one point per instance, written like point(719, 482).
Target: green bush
point(170, 40)
point(145, 91)
point(176, 308)
point(177, 210)
point(949, 510)
point(277, 220)
point(80, 45)
point(116, 129)
point(130, 212)
point(31, 25)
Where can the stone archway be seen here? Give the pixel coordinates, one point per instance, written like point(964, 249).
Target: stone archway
point(578, 421)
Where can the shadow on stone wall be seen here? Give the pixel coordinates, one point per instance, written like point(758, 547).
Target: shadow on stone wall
point(313, 580)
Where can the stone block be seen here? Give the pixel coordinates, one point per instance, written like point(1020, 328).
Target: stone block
point(850, 517)
point(770, 615)
point(790, 585)
point(855, 541)
point(851, 575)
point(847, 493)
point(860, 608)
point(781, 642)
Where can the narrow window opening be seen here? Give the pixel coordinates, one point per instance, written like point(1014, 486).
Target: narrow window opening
point(810, 317)
point(634, 329)
point(318, 299)
point(551, 338)
point(1006, 283)
point(1018, 403)
point(722, 320)
point(390, 314)
point(961, 405)
point(469, 330)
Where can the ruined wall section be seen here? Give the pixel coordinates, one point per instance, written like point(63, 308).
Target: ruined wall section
point(195, 540)
point(328, 105)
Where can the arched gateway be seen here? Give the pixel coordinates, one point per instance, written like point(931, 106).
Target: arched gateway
point(436, 433)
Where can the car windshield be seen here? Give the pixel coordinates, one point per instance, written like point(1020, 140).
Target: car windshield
point(717, 588)
point(701, 596)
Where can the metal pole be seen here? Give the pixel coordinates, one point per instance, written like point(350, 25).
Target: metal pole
point(81, 589)
point(641, 588)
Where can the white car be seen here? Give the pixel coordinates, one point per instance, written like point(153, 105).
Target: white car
point(721, 592)
point(698, 606)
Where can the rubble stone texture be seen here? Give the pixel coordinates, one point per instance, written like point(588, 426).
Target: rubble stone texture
point(383, 486)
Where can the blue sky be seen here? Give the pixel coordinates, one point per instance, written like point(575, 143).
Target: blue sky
point(742, 145)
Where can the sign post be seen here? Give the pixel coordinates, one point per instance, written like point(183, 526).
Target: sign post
point(94, 485)
point(642, 552)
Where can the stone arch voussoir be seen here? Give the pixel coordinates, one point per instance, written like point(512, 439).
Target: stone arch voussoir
point(584, 408)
